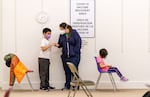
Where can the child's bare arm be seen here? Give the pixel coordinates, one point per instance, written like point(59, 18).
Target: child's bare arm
point(44, 48)
point(103, 65)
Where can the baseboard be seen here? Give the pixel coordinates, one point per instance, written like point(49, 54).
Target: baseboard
point(26, 86)
point(102, 85)
point(124, 85)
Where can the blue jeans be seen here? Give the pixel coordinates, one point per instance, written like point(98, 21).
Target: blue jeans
point(115, 69)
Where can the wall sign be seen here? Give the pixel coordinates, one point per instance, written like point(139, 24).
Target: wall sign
point(83, 17)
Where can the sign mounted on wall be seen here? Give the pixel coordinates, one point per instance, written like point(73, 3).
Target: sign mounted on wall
point(83, 17)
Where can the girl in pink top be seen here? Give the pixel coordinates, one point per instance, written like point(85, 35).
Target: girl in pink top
point(108, 68)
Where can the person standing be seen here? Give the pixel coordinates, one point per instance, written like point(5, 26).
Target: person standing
point(70, 42)
point(44, 60)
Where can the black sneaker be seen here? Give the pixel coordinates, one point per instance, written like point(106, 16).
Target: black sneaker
point(44, 89)
point(65, 88)
point(50, 87)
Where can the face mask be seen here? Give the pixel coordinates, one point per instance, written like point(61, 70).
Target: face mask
point(48, 36)
point(62, 32)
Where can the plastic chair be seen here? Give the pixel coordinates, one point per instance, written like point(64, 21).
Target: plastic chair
point(102, 72)
point(77, 81)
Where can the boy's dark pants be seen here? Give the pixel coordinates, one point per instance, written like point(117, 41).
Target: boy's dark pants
point(44, 72)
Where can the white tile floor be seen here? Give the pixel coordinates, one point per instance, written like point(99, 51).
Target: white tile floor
point(59, 93)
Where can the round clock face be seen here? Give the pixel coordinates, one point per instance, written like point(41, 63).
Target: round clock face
point(42, 17)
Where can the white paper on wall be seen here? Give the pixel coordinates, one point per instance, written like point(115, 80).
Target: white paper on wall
point(83, 17)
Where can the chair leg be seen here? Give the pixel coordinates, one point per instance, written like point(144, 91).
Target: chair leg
point(75, 91)
point(29, 81)
point(97, 82)
point(70, 94)
point(85, 89)
point(87, 92)
point(112, 81)
point(70, 91)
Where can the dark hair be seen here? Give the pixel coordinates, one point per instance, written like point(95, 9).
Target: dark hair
point(103, 52)
point(70, 30)
point(63, 25)
point(45, 30)
point(69, 27)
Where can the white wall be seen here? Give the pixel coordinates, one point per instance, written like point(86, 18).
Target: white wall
point(124, 31)
point(121, 27)
point(0, 40)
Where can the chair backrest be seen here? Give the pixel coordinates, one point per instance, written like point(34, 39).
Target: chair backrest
point(73, 70)
point(98, 67)
point(72, 67)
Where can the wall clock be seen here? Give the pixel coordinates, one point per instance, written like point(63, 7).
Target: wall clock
point(42, 17)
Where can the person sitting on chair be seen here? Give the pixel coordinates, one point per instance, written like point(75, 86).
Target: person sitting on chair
point(104, 67)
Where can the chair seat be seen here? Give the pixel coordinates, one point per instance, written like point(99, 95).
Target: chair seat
point(86, 82)
point(107, 71)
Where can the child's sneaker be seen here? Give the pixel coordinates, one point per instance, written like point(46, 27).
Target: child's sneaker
point(44, 89)
point(123, 79)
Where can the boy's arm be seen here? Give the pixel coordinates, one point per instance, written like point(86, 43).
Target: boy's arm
point(44, 48)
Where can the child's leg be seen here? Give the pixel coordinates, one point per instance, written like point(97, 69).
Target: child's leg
point(43, 72)
point(47, 73)
point(115, 69)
